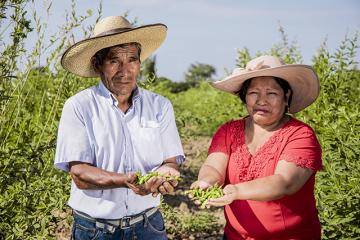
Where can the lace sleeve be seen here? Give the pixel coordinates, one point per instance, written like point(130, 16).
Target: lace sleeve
point(303, 149)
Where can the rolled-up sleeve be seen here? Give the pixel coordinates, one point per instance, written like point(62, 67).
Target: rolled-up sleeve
point(170, 139)
point(72, 140)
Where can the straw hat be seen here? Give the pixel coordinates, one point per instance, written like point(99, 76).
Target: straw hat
point(302, 79)
point(108, 32)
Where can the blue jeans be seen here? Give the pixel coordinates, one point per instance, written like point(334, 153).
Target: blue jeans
point(151, 228)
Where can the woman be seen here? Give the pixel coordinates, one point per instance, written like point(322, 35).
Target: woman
point(267, 161)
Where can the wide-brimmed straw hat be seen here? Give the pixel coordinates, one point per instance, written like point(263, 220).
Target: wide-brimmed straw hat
point(302, 79)
point(108, 32)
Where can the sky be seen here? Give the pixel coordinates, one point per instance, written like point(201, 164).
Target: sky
point(211, 31)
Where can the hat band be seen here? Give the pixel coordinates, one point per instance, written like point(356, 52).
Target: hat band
point(112, 31)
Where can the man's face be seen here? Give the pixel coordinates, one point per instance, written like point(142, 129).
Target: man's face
point(120, 69)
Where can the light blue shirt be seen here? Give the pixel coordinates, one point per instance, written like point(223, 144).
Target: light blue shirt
point(94, 130)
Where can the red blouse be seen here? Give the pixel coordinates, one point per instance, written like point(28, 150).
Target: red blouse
point(291, 217)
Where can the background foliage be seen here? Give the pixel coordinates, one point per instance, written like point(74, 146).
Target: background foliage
point(33, 194)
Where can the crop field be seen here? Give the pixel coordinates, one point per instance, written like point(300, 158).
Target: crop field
point(33, 194)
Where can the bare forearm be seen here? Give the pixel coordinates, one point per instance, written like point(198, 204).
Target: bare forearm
point(263, 189)
point(211, 175)
point(89, 177)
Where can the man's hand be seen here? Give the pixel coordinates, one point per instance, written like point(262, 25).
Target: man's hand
point(168, 170)
point(166, 187)
point(158, 184)
point(129, 178)
point(149, 187)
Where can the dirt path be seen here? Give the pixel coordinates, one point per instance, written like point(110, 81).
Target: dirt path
point(196, 151)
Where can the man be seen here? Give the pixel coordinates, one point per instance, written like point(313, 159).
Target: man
point(114, 129)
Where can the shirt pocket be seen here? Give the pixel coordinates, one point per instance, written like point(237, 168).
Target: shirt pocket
point(149, 131)
point(148, 144)
point(149, 124)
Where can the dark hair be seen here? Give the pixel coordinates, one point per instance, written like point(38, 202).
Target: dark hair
point(101, 54)
point(285, 86)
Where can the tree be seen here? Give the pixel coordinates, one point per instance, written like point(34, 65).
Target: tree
point(199, 72)
point(13, 21)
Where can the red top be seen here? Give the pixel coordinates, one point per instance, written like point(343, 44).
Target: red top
point(291, 217)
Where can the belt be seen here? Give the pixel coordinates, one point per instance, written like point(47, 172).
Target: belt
point(123, 223)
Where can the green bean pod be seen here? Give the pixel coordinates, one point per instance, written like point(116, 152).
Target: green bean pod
point(203, 195)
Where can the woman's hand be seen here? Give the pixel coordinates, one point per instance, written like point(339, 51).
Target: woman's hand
point(199, 184)
point(230, 194)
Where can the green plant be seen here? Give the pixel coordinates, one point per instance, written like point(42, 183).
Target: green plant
point(335, 119)
point(31, 188)
point(180, 224)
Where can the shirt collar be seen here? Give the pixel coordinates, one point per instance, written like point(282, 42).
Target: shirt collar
point(112, 99)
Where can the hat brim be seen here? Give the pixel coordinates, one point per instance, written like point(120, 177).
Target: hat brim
point(302, 79)
point(77, 58)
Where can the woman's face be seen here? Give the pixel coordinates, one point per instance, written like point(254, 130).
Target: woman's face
point(265, 101)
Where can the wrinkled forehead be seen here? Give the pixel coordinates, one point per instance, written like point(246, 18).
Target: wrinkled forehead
point(124, 49)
